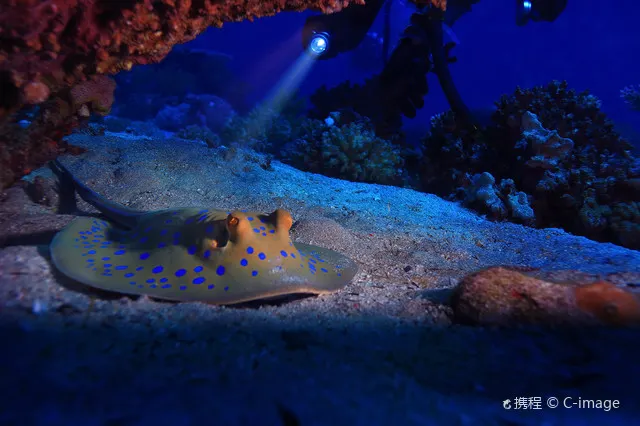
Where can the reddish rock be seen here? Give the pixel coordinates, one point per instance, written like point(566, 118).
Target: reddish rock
point(508, 297)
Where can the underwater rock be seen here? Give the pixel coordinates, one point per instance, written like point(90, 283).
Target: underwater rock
point(173, 118)
point(509, 297)
point(210, 111)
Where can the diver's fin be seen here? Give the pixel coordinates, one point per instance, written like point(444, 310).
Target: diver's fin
point(114, 211)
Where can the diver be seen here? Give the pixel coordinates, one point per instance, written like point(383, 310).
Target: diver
point(402, 82)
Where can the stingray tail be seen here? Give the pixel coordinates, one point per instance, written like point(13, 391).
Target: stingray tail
point(114, 211)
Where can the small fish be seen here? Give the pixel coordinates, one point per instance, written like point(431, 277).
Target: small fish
point(193, 254)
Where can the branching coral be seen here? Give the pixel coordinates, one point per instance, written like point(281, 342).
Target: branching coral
point(631, 96)
point(349, 151)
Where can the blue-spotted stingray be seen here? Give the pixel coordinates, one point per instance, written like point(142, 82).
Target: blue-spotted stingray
point(193, 254)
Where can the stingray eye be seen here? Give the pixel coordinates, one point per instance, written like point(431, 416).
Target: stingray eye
point(232, 221)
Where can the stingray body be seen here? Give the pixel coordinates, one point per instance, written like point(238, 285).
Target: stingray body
point(193, 254)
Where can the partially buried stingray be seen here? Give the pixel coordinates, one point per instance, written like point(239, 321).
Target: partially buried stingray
point(193, 254)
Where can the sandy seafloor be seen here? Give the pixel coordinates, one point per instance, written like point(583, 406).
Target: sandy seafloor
point(381, 352)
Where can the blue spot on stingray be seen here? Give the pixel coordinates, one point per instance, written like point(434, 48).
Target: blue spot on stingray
point(106, 243)
point(323, 270)
point(339, 274)
point(161, 245)
point(176, 235)
point(153, 286)
point(206, 254)
point(293, 255)
point(264, 234)
point(132, 282)
point(151, 280)
point(250, 250)
point(163, 280)
point(220, 270)
point(262, 256)
point(157, 269)
point(189, 221)
point(209, 229)
point(147, 229)
point(119, 252)
point(144, 256)
point(91, 252)
point(106, 258)
point(139, 268)
point(83, 237)
point(284, 253)
point(129, 275)
point(256, 230)
point(88, 233)
point(244, 262)
point(91, 260)
point(144, 239)
point(263, 228)
point(81, 232)
point(250, 219)
point(107, 265)
point(226, 288)
point(168, 221)
point(312, 260)
point(121, 267)
point(198, 280)
point(183, 287)
point(166, 286)
point(95, 241)
point(272, 231)
point(174, 213)
point(164, 232)
point(107, 274)
point(254, 273)
point(197, 269)
point(211, 286)
point(180, 272)
point(192, 249)
point(244, 211)
point(202, 218)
